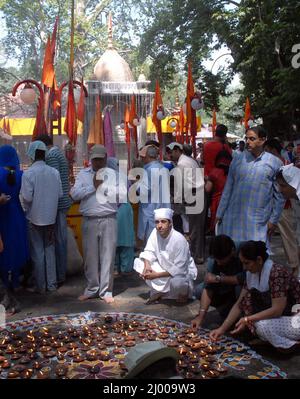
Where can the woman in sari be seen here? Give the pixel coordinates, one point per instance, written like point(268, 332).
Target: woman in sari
point(266, 301)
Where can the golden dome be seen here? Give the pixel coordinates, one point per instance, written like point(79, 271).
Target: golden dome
point(111, 67)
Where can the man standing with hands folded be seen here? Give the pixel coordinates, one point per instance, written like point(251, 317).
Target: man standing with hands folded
point(99, 228)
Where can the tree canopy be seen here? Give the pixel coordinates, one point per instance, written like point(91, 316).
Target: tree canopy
point(259, 35)
point(163, 35)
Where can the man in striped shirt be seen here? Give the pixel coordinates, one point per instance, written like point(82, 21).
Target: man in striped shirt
point(57, 160)
point(251, 204)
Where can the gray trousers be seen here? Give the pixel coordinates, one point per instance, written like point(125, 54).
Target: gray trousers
point(99, 238)
point(42, 250)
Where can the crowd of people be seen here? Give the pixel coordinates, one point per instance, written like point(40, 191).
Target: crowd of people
point(245, 195)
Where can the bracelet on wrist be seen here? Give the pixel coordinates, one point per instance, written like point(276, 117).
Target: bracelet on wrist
point(201, 310)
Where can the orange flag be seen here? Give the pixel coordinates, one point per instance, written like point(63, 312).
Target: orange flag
point(132, 116)
point(96, 126)
point(56, 95)
point(127, 133)
point(214, 122)
point(48, 69)
point(247, 113)
point(126, 121)
point(40, 124)
point(190, 91)
point(70, 126)
point(53, 39)
point(81, 104)
point(157, 105)
point(191, 119)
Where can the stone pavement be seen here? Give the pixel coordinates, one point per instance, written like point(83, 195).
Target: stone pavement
point(130, 296)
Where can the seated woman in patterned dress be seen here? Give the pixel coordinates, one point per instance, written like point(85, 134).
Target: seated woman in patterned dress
point(266, 300)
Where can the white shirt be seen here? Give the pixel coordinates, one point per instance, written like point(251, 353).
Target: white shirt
point(85, 192)
point(185, 162)
point(40, 191)
point(172, 254)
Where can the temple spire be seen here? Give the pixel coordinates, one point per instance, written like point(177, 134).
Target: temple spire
point(110, 31)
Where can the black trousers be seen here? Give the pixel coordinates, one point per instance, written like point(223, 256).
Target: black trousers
point(197, 224)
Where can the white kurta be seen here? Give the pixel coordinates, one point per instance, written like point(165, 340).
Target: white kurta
point(171, 254)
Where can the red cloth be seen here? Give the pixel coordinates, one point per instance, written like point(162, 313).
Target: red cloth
point(210, 151)
point(218, 178)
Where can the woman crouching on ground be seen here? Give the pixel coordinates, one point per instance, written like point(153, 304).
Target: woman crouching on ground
point(265, 301)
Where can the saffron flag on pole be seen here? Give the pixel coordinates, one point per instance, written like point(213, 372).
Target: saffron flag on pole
point(132, 116)
point(96, 126)
point(40, 124)
point(157, 106)
point(247, 113)
point(81, 104)
point(214, 122)
point(191, 120)
point(53, 38)
point(48, 69)
point(127, 134)
point(70, 126)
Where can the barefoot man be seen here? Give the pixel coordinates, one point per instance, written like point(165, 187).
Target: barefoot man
point(99, 229)
point(166, 263)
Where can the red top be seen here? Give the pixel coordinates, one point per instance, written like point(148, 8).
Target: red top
point(210, 151)
point(218, 178)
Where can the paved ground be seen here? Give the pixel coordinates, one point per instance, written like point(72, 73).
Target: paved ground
point(130, 296)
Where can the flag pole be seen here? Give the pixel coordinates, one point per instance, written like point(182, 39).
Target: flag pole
point(71, 66)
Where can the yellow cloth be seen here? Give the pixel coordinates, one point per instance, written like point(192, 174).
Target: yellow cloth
point(25, 126)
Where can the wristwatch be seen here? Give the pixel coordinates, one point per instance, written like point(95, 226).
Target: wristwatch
point(218, 278)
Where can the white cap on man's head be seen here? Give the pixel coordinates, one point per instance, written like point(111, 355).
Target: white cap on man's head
point(35, 145)
point(174, 144)
point(98, 151)
point(163, 213)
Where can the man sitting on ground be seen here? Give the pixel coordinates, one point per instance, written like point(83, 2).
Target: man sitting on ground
point(223, 281)
point(166, 264)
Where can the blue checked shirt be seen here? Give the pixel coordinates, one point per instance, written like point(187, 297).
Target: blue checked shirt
point(250, 198)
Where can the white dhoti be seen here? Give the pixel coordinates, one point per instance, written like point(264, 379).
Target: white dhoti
point(172, 287)
point(282, 332)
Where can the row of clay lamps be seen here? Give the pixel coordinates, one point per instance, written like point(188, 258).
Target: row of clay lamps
point(22, 354)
